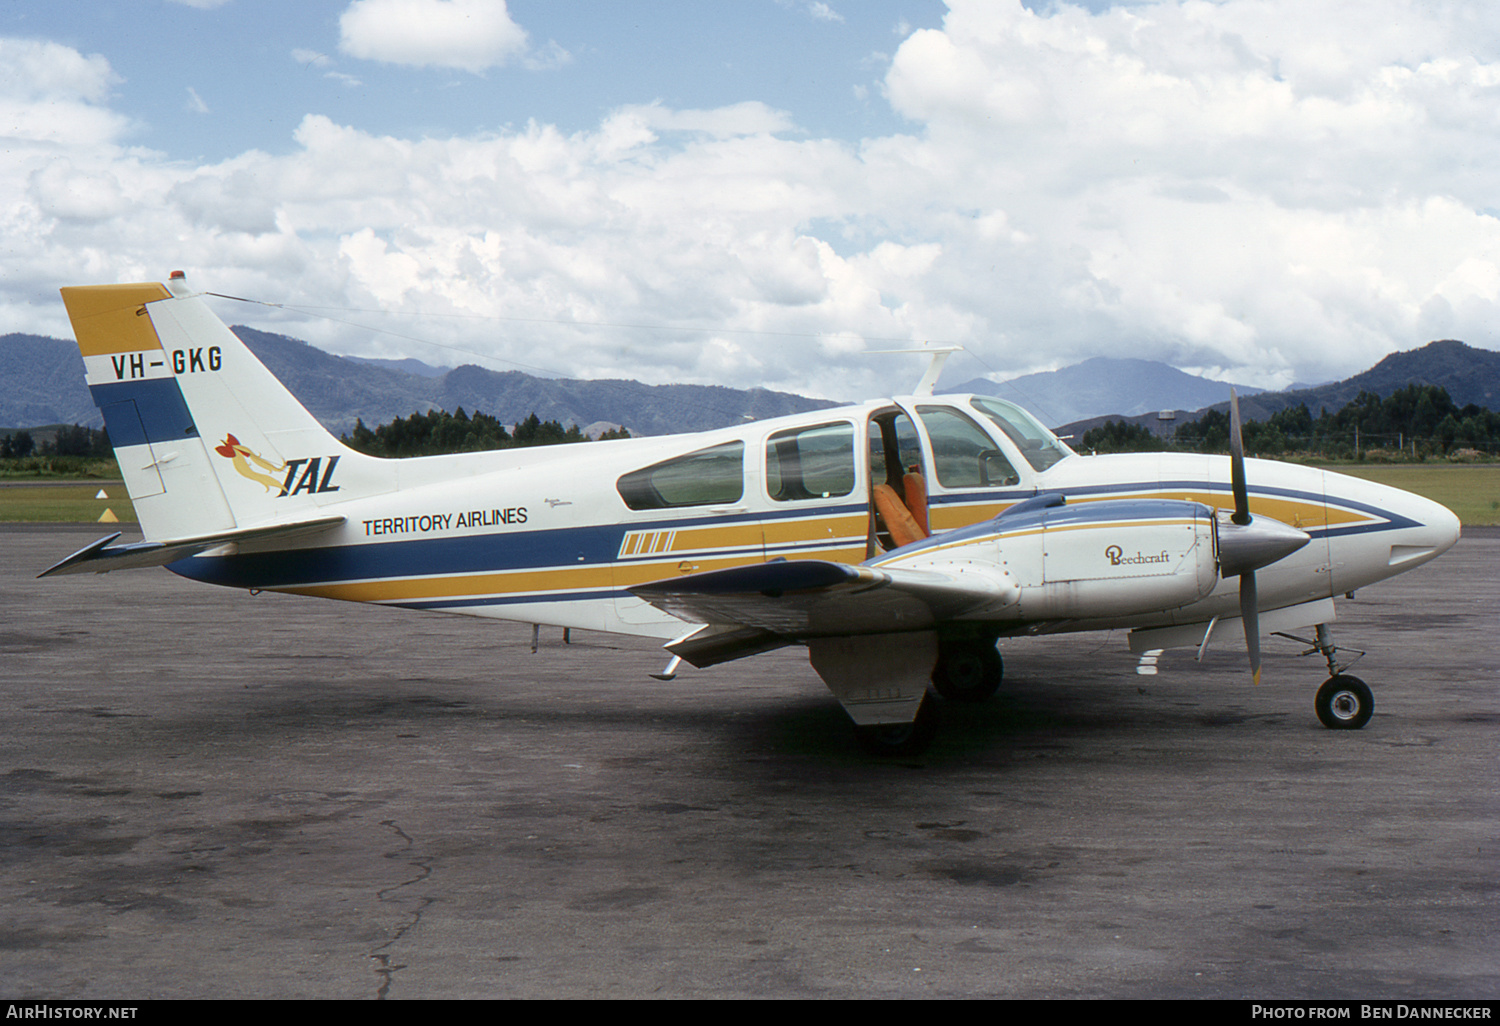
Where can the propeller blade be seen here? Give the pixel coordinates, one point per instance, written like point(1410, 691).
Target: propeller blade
point(1247, 543)
point(1237, 463)
point(1250, 613)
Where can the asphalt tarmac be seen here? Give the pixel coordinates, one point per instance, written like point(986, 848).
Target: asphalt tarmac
point(205, 794)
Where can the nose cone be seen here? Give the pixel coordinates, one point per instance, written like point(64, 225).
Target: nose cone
point(1378, 531)
point(1261, 542)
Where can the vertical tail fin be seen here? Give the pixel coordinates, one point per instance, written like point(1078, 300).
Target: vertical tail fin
point(207, 439)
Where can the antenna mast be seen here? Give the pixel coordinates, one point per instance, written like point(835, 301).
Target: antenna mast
point(939, 356)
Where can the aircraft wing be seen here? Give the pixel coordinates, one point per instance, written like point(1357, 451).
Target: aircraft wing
point(755, 608)
point(101, 557)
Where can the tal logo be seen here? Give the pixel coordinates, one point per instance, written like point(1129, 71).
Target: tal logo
point(304, 475)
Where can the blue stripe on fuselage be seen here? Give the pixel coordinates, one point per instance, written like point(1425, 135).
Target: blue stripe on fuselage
point(429, 557)
point(1392, 520)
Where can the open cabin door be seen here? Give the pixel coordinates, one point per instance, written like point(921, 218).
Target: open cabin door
point(945, 464)
point(898, 482)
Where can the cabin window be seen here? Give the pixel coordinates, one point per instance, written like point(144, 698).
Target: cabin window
point(964, 456)
point(1040, 447)
point(703, 478)
point(810, 463)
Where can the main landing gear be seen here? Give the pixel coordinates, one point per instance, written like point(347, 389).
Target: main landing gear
point(894, 740)
point(967, 672)
point(1344, 702)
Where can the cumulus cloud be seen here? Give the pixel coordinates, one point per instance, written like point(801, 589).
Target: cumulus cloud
point(39, 71)
point(1247, 184)
point(471, 35)
point(1234, 185)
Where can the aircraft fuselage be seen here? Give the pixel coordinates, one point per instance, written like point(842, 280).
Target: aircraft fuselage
point(546, 536)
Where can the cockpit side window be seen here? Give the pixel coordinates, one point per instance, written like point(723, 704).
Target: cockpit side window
point(810, 463)
point(965, 457)
point(1039, 446)
point(707, 477)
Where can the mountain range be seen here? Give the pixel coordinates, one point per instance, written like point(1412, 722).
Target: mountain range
point(1105, 385)
point(1470, 375)
point(44, 384)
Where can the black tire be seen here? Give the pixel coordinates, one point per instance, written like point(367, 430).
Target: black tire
point(1344, 703)
point(898, 739)
point(968, 672)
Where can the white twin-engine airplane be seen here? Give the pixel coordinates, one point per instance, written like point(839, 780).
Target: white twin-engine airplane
point(897, 539)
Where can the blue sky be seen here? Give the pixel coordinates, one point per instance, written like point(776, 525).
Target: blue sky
point(757, 192)
point(208, 81)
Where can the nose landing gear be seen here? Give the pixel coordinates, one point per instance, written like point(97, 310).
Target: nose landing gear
point(1344, 702)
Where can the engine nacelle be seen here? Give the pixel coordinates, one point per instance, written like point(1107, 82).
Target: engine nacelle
point(1112, 559)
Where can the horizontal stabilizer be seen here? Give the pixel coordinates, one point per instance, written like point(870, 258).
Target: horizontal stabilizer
point(101, 557)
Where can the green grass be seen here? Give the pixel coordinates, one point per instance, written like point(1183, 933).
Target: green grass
point(72, 502)
point(1472, 491)
point(59, 468)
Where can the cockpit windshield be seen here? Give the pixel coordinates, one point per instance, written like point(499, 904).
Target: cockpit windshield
point(1040, 446)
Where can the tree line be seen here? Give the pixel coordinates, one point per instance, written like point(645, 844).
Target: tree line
point(438, 431)
point(69, 440)
point(422, 434)
point(1416, 422)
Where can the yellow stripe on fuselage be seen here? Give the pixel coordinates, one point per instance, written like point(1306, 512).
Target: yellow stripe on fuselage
point(952, 516)
point(816, 529)
point(686, 538)
point(1298, 513)
point(689, 540)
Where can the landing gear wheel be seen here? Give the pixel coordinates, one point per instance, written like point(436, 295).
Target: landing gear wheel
point(968, 672)
point(889, 740)
point(1344, 703)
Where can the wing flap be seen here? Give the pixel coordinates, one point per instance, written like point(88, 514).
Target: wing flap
point(101, 557)
point(709, 646)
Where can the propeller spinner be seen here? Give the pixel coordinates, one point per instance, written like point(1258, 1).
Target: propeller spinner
point(1247, 542)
